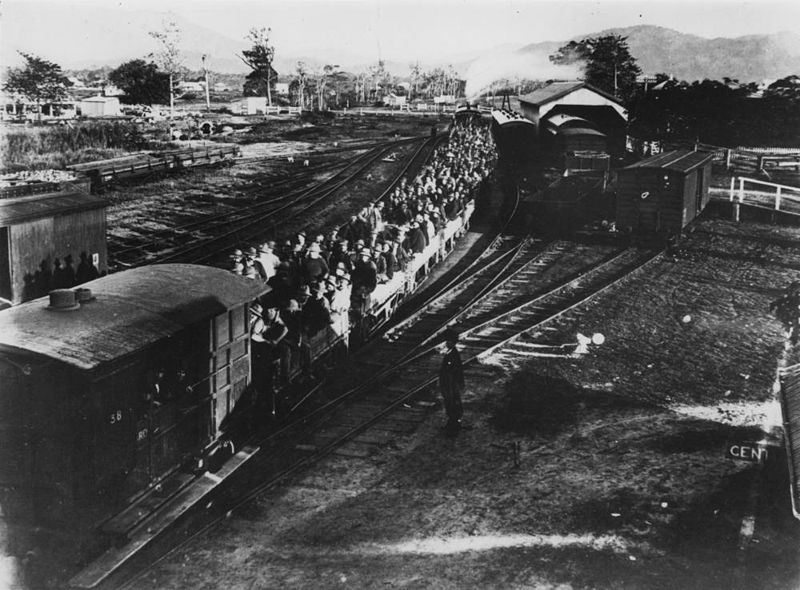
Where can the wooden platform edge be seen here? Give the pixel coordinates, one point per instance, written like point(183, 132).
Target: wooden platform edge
point(115, 558)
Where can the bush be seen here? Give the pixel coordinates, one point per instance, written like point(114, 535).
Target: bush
point(317, 117)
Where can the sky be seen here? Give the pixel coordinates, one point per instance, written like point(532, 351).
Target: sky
point(414, 29)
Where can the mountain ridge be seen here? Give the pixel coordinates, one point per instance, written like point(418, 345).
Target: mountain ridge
point(753, 57)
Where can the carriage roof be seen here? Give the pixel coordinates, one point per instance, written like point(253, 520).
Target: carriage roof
point(133, 309)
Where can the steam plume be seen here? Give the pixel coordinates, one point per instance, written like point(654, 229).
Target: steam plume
point(510, 65)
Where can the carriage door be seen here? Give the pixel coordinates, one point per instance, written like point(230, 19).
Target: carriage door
point(115, 446)
point(230, 361)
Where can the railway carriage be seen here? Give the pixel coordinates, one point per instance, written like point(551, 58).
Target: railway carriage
point(515, 137)
point(103, 398)
point(664, 193)
point(466, 113)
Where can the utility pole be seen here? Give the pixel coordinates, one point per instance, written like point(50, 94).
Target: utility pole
point(208, 96)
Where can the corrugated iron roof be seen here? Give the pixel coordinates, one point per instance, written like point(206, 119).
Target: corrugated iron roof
point(556, 90)
point(133, 310)
point(676, 160)
point(21, 209)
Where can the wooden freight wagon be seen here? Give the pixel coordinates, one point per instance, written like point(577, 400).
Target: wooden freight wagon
point(100, 400)
point(45, 237)
point(664, 193)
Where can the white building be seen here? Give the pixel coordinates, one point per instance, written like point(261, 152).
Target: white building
point(282, 88)
point(196, 86)
point(249, 105)
point(100, 106)
point(394, 100)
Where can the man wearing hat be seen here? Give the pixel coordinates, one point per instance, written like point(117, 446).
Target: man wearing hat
point(314, 267)
point(451, 382)
point(415, 240)
point(267, 263)
point(340, 256)
point(365, 279)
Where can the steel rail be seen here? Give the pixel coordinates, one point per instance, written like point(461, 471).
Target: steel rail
point(295, 198)
point(318, 194)
point(397, 402)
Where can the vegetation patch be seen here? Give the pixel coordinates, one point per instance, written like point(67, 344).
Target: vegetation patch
point(58, 146)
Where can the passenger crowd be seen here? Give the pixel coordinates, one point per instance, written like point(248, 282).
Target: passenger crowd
point(317, 280)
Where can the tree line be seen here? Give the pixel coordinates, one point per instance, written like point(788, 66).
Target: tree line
point(717, 112)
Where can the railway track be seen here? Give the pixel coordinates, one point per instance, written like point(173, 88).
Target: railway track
point(395, 374)
point(202, 240)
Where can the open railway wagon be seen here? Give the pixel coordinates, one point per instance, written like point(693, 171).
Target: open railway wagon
point(467, 113)
point(661, 195)
point(103, 399)
point(384, 301)
point(102, 172)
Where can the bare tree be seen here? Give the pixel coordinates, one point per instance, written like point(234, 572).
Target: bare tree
point(168, 56)
point(302, 78)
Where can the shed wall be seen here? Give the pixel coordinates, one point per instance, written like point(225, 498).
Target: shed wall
point(34, 245)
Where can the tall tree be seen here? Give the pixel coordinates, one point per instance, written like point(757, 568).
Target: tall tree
point(168, 56)
point(608, 63)
point(416, 75)
point(141, 82)
point(259, 59)
point(39, 81)
point(788, 87)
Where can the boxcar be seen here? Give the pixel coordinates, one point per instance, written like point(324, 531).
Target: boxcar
point(664, 193)
point(100, 400)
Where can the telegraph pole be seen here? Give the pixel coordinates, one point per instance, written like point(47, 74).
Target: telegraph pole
point(208, 96)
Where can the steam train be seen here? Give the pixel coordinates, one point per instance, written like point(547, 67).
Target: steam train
point(109, 389)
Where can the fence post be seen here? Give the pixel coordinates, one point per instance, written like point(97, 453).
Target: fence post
point(727, 159)
point(741, 189)
point(733, 187)
point(777, 198)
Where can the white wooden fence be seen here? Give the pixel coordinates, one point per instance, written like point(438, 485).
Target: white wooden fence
point(780, 197)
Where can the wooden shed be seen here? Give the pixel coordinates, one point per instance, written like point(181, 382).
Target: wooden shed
point(46, 237)
point(664, 193)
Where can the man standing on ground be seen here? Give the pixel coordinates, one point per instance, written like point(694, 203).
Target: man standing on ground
point(451, 382)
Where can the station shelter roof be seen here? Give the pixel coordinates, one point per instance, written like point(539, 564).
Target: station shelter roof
point(683, 161)
point(132, 310)
point(557, 90)
point(18, 210)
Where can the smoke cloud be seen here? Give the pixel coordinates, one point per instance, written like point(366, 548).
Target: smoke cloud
point(513, 66)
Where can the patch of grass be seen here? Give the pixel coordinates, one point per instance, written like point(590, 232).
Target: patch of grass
point(57, 146)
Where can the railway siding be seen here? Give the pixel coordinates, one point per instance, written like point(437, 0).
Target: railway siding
point(617, 483)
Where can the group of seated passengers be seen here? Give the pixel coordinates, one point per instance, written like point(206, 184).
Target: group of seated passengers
point(315, 283)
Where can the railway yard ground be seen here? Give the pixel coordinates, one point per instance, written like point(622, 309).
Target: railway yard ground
point(137, 209)
point(622, 481)
point(599, 470)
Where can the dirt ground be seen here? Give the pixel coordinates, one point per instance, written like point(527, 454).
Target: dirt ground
point(139, 207)
point(623, 481)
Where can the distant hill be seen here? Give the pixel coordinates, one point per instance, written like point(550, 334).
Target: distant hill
point(689, 57)
point(79, 36)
